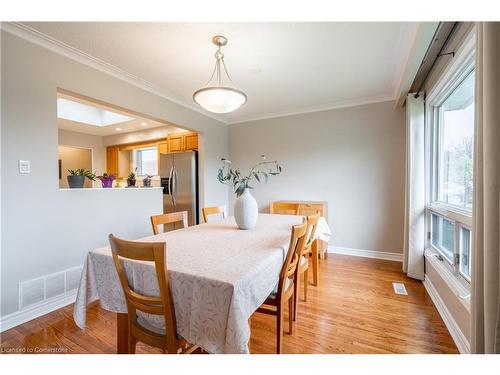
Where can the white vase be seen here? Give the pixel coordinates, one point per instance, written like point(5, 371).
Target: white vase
point(246, 210)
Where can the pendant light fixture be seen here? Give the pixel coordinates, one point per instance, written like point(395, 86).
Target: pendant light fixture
point(215, 97)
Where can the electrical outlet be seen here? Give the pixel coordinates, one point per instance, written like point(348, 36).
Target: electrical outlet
point(24, 166)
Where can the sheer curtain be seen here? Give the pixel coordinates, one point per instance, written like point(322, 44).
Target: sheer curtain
point(485, 298)
point(414, 228)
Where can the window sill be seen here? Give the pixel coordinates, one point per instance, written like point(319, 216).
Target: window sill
point(458, 288)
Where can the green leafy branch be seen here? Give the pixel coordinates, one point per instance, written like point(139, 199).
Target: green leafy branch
point(82, 172)
point(260, 172)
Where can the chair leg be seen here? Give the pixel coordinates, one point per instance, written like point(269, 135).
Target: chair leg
point(306, 281)
point(279, 327)
point(296, 290)
point(315, 263)
point(131, 344)
point(291, 302)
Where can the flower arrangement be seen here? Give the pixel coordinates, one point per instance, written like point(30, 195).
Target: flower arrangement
point(107, 180)
point(260, 171)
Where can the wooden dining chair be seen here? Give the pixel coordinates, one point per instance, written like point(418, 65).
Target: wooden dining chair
point(283, 208)
point(277, 300)
point(162, 305)
point(216, 210)
point(174, 218)
point(303, 263)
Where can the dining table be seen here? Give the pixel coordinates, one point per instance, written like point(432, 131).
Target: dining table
point(219, 275)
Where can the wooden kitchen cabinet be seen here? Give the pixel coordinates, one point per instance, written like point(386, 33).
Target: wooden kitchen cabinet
point(177, 142)
point(112, 157)
point(162, 147)
point(191, 141)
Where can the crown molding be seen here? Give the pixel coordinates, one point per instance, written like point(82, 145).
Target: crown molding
point(321, 108)
point(31, 35)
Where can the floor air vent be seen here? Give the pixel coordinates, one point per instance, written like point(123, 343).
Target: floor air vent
point(399, 288)
point(35, 291)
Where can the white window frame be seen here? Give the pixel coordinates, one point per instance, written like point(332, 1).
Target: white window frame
point(459, 68)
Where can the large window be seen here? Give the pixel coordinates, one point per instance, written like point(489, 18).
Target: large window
point(455, 148)
point(146, 161)
point(450, 207)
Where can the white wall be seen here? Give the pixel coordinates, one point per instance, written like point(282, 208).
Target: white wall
point(37, 237)
point(353, 158)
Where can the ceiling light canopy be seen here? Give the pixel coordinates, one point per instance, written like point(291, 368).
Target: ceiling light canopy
point(218, 98)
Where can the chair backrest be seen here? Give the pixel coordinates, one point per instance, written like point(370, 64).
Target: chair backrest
point(312, 224)
point(295, 248)
point(171, 218)
point(283, 208)
point(216, 210)
point(161, 305)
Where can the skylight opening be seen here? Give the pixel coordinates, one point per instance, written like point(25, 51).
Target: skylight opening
point(87, 114)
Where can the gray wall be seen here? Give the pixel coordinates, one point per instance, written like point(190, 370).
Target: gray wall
point(354, 158)
point(37, 237)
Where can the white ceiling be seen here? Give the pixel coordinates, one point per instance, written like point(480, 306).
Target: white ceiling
point(284, 68)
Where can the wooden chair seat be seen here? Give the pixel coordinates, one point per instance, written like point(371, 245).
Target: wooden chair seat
point(288, 285)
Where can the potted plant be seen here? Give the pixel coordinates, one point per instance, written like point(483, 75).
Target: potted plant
point(107, 180)
point(131, 178)
point(146, 182)
point(76, 178)
point(245, 207)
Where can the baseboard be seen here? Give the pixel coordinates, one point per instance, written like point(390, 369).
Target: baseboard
point(366, 253)
point(36, 310)
point(458, 337)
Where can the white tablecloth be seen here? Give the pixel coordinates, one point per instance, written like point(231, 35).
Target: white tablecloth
point(219, 275)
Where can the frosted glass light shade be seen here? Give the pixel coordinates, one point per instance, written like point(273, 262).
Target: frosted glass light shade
point(219, 99)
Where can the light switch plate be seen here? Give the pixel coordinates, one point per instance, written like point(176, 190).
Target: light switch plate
point(24, 166)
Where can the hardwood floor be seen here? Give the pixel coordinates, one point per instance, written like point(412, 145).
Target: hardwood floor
point(354, 310)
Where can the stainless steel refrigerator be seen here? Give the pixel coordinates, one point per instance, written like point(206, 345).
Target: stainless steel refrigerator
point(179, 179)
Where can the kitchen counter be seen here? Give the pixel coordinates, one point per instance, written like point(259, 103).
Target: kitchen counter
point(114, 189)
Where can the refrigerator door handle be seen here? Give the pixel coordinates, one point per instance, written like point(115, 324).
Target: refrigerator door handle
point(170, 185)
point(175, 183)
